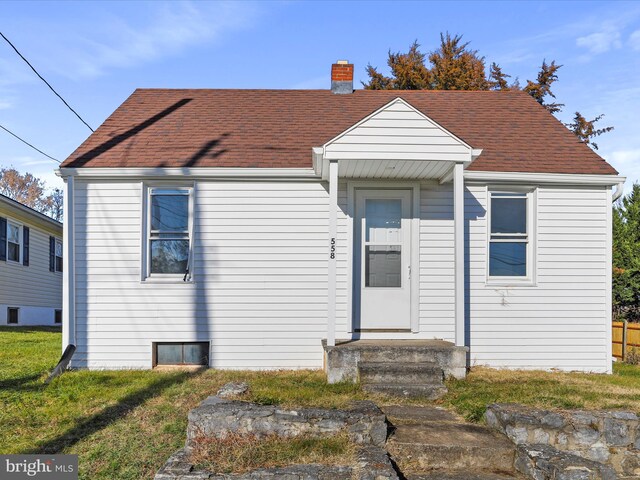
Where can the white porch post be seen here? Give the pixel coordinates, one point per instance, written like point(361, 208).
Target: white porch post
point(333, 229)
point(68, 270)
point(458, 222)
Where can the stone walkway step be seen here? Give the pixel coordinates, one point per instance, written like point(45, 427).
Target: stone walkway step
point(431, 441)
point(468, 475)
point(400, 373)
point(414, 415)
point(427, 391)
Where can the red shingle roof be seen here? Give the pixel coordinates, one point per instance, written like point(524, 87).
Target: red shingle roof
point(277, 128)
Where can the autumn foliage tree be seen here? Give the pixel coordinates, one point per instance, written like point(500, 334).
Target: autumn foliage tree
point(30, 191)
point(454, 66)
point(586, 130)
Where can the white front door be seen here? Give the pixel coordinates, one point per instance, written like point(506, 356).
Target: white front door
point(382, 260)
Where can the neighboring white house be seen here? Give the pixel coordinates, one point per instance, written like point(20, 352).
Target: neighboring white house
point(30, 266)
point(242, 228)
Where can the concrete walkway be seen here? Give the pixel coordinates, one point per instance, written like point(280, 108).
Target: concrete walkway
point(430, 443)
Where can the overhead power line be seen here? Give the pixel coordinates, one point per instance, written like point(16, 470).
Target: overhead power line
point(27, 143)
point(47, 83)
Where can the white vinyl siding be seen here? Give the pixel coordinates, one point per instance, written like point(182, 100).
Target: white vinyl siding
point(437, 289)
point(259, 291)
point(561, 321)
point(259, 271)
point(33, 285)
point(397, 132)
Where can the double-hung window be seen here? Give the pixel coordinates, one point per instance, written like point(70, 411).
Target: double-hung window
point(510, 238)
point(14, 241)
point(58, 255)
point(169, 227)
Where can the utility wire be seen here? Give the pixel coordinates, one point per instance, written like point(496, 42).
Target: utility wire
point(27, 143)
point(47, 83)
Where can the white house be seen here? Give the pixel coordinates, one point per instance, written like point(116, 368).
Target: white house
point(242, 228)
point(31, 265)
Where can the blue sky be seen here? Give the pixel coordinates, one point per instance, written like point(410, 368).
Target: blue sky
point(96, 53)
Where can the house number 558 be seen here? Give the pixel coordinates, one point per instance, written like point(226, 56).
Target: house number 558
point(332, 250)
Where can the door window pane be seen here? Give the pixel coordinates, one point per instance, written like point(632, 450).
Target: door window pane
point(170, 213)
point(508, 215)
point(383, 220)
point(508, 259)
point(169, 256)
point(383, 266)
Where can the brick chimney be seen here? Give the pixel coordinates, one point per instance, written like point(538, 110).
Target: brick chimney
point(342, 77)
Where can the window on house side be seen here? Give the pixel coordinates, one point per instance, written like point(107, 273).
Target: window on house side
point(509, 235)
point(169, 238)
point(14, 242)
point(58, 256)
point(57, 317)
point(182, 353)
point(12, 316)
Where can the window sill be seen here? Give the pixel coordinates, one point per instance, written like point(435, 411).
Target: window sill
point(168, 280)
point(510, 283)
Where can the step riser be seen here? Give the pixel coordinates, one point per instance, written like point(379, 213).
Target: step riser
point(400, 377)
point(429, 392)
point(406, 356)
point(424, 458)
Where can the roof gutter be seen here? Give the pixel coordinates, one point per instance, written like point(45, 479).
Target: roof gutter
point(201, 172)
point(545, 178)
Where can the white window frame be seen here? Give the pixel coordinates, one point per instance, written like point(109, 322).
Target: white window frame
point(530, 279)
point(55, 255)
point(148, 191)
point(20, 241)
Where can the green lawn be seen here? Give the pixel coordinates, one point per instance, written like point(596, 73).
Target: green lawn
point(124, 424)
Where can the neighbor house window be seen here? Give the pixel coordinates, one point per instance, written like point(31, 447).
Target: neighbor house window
point(58, 254)
point(181, 353)
point(57, 317)
point(509, 235)
point(12, 316)
point(14, 241)
point(169, 241)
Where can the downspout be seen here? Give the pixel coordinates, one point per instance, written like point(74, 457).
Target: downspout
point(619, 190)
point(68, 273)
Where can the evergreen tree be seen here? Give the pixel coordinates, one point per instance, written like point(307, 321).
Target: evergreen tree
point(454, 66)
point(498, 79)
point(541, 88)
point(586, 130)
point(626, 255)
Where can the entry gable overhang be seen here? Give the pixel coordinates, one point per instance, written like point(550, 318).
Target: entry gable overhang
point(396, 141)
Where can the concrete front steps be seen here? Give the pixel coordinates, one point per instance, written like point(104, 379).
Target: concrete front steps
point(415, 379)
point(430, 443)
point(408, 368)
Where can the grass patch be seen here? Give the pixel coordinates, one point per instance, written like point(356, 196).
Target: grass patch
point(241, 453)
point(561, 390)
point(125, 424)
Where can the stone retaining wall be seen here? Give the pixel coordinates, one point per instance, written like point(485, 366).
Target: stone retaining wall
point(608, 437)
point(372, 464)
point(216, 417)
